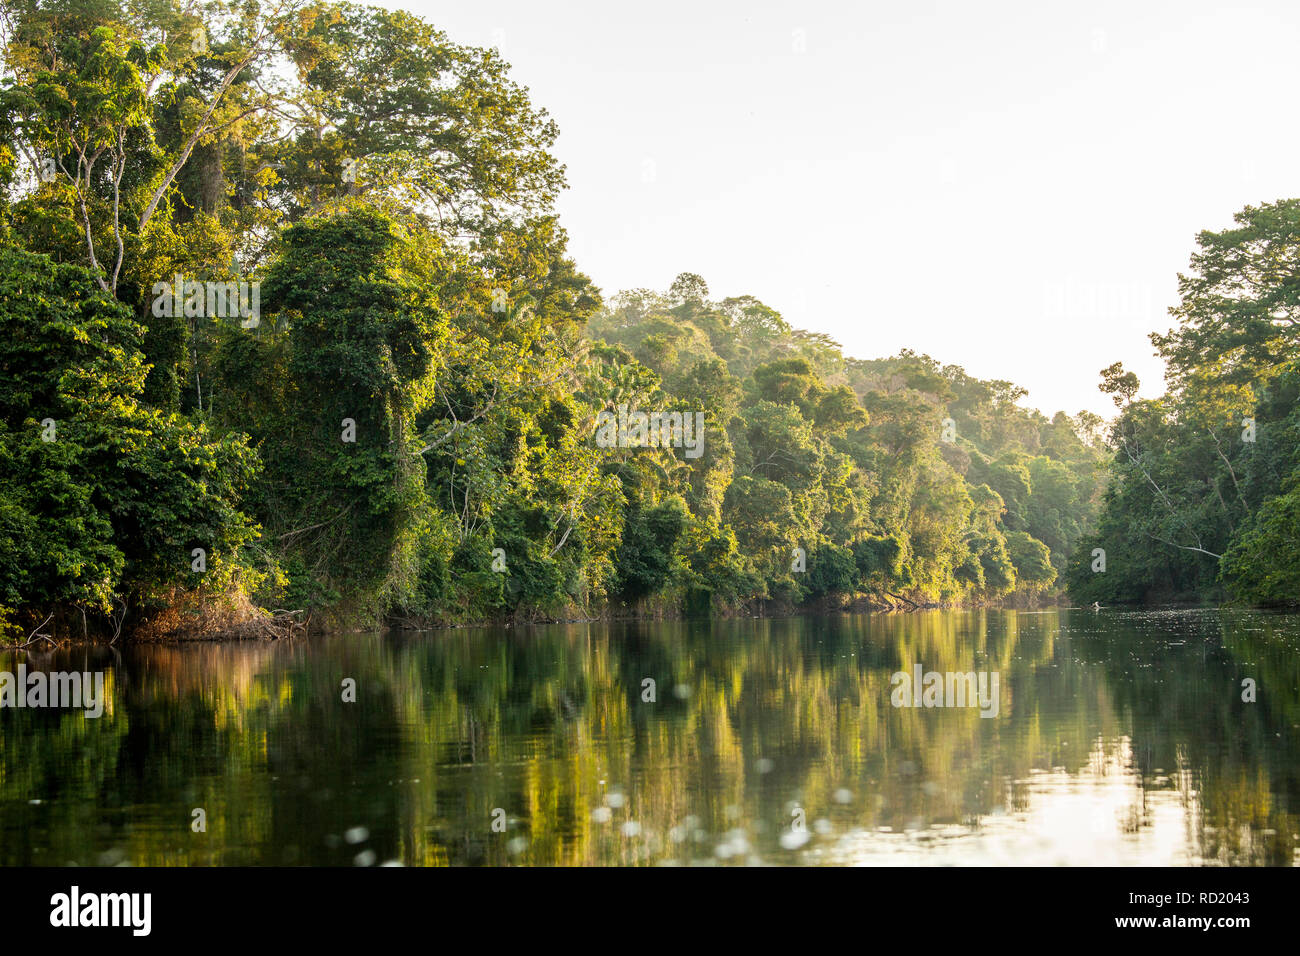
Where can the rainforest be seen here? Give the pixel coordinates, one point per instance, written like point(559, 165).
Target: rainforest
point(392, 415)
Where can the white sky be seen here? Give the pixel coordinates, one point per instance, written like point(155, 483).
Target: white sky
point(1008, 186)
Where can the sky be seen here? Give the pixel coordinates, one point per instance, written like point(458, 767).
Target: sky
point(1012, 187)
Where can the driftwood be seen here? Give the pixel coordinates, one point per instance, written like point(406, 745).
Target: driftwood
point(899, 597)
point(260, 625)
point(230, 617)
point(117, 621)
point(35, 635)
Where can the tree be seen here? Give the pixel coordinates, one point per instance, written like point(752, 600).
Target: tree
point(1263, 564)
point(1239, 307)
point(85, 89)
point(1032, 561)
point(446, 132)
point(345, 479)
point(1120, 385)
point(102, 499)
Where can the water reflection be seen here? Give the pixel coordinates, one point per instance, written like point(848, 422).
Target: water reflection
point(1121, 738)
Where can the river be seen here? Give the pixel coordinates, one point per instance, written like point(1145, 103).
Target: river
point(1120, 737)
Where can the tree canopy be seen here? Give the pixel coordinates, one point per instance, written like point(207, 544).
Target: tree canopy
point(289, 282)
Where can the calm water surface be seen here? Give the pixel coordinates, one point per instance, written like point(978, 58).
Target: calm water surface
point(1121, 738)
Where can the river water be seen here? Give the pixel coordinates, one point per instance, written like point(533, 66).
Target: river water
point(1120, 737)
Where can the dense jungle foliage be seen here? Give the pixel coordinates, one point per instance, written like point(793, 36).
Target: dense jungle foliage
point(289, 323)
point(1204, 498)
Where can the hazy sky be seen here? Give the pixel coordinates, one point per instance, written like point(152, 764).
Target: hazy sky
point(1008, 186)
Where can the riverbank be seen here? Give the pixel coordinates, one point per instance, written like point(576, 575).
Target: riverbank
point(235, 618)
